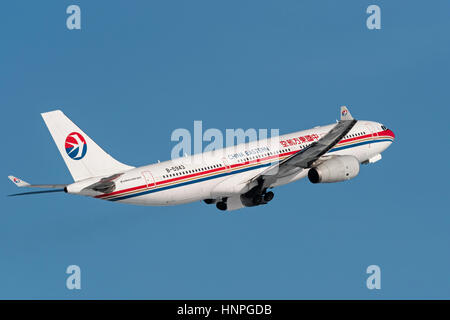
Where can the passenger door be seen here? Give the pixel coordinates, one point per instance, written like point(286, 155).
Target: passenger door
point(226, 164)
point(149, 180)
point(373, 131)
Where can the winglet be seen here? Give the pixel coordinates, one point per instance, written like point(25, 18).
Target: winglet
point(18, 182)
point(345, 114)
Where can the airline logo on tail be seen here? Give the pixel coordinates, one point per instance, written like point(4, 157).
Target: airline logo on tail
point(344, 112)
point(76, 146)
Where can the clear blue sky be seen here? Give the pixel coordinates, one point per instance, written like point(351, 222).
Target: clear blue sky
point(138, 70)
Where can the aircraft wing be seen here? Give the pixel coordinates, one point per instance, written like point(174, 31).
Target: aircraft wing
point(306, 157)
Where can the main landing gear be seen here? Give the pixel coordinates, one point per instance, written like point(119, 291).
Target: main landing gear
point(268, 196)
point(255, 197)
point(256, 200)
point(262, 198)
point(221, 205)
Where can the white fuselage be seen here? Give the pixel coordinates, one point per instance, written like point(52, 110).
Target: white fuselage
point(223, 173)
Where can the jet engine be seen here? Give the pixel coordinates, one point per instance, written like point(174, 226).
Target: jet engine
point(336, 169)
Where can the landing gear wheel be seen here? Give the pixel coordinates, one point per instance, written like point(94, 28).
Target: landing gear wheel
point(257, 199)
point(268, 196)
point(221, 205)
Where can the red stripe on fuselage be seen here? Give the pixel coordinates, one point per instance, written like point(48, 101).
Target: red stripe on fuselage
point(236, 165)
point(197, 174)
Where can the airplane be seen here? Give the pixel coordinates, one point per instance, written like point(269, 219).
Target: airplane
point(231, 178)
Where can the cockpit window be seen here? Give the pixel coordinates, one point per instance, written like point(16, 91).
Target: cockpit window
point(383, 127)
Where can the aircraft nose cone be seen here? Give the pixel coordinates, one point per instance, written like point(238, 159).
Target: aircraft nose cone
point(390, 133)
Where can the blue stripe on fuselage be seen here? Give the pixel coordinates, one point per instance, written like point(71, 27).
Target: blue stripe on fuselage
point(230, 173)
point(193, 181)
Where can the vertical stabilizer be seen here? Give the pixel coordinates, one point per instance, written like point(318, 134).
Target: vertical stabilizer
point(83, 157)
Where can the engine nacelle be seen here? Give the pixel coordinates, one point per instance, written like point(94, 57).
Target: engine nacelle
point(336, 169)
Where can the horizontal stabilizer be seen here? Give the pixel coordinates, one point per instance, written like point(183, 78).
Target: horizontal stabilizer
point(20, 183)
point(35, 192)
